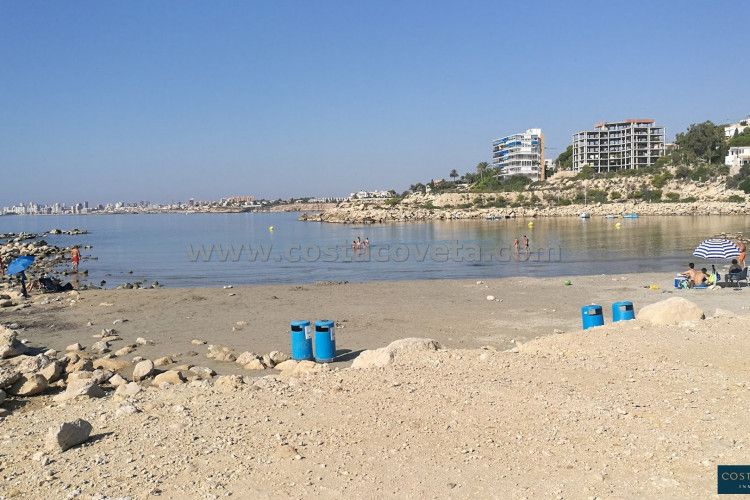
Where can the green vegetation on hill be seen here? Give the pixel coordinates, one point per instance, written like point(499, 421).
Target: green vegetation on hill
point(696, 159)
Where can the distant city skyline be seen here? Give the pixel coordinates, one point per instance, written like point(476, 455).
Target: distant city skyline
point(167, 101)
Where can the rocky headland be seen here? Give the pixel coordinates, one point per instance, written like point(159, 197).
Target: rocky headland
point(558, 197)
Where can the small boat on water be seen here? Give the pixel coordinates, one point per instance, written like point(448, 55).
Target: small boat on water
point(585, 215)
point(621, 216)
point(497, 217)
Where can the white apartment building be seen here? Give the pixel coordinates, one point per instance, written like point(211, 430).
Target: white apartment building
point(736, 158)
point(362, 194)
point(738, 127)
point(520, 154)
point(619, 145)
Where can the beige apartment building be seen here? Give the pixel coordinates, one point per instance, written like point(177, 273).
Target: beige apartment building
point(615, 146)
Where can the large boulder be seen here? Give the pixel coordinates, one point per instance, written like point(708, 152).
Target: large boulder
point(8, 375)
point(671, 311)
point(301, 369)
point(254, 364)
point(28, 385)
point(385, 355)
point(100, 347)
point(100, 376)
point(129, 389)
point(173, 377)
point(68, 434)
point(79, 365)
point(10, 345)
point(289, 364)
point(246, 357)
point(33, 364)
point(80, 387)
point(115, 365)
point(143, 370)
point(53, 371)
point(278, 357)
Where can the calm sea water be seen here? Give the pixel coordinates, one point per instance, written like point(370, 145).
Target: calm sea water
point(174, 248)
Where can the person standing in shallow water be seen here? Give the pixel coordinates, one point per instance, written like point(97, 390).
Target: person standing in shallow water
point(75, 254)
point(515, 245)
point(741, 259)
point(525, 243)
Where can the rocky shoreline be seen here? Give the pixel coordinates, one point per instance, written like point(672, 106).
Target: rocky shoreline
point(50, 260)
point(361, 213)
point(47, 258)
point(560, 196)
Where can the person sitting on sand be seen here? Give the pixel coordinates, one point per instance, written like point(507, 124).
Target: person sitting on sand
point(700, 278)
point(690, 273)
point(735, 267)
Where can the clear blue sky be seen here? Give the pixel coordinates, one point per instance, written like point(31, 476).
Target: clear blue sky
point(166, 100)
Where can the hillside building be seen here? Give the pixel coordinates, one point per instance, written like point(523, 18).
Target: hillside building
point(737, 158)
point(520, 154)
point(736, 128)
point(615, 146)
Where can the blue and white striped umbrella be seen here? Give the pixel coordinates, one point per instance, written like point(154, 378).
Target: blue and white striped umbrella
point(717, 248)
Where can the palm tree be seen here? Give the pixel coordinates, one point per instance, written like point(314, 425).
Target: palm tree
point(482, 168)
point(453, 175)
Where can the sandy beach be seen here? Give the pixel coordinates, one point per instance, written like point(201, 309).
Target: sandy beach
point(367, 315)
point(518, 403)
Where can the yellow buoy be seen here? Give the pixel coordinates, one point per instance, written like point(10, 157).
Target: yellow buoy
point(617, 225)
point(531, 224)
point(270, 228)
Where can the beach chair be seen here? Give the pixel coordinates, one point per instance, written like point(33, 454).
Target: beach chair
point(737, 277)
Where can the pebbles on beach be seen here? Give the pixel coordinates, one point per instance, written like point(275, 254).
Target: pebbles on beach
point(630, 409)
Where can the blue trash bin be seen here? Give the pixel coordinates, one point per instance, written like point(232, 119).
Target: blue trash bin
point(622, 311)
point(325, 341)
point(592, 316)
point(301, 340)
